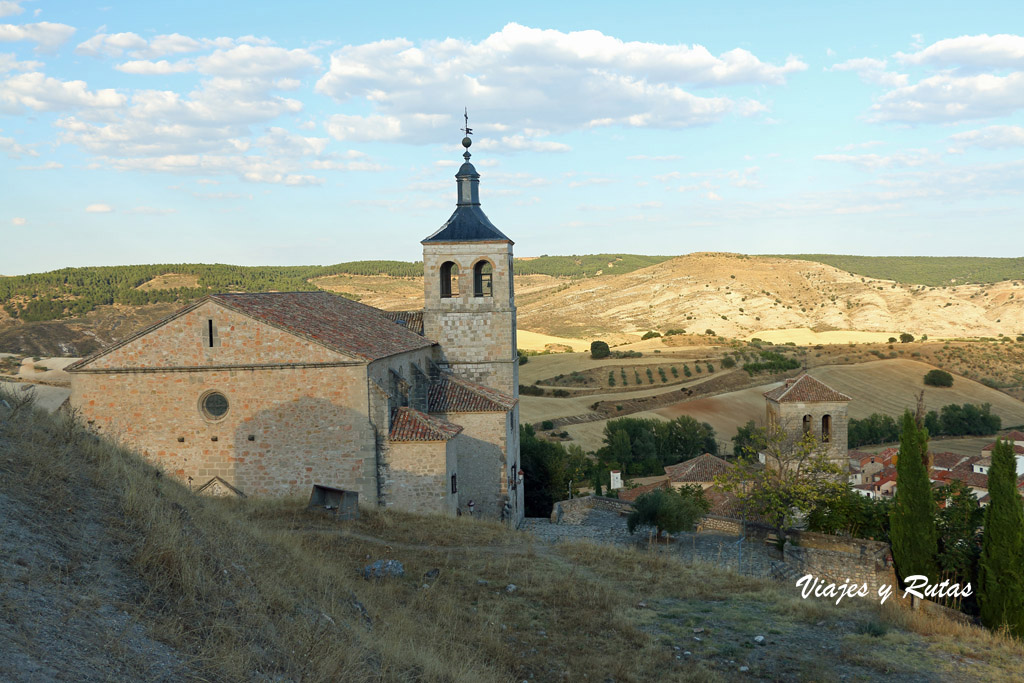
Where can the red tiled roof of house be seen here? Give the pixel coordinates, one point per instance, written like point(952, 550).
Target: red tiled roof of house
point(408, 424)
point(630, 495)
point(1017, 450)
point(1015, 435)
point(968, 476)
point(703, 468)
point(805, 389)
point(412, 320)
point(948, 461)
point(452, 394)
point(334, 321)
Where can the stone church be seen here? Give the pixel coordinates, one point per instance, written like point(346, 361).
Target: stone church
point(271, 393)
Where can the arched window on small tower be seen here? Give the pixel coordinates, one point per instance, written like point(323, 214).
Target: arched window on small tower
point(449, 280)
point(483, 279)
point(826, 428)
point(807, 424)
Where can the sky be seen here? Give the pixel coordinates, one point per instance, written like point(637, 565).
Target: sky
point(316, 133)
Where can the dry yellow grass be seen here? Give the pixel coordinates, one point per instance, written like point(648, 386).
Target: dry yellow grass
point(263, 590)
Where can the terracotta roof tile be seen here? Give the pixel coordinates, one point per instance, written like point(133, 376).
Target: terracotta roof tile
point(700, 469)
point(1013, 436)
point(411, 320)
point(334, 321)
point(452, 394)
point(948, 461)
point(408, 424)
point(630, 495)
point(968, 476)
point(805, 389)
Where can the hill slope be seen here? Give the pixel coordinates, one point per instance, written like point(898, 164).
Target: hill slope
point(111, 572)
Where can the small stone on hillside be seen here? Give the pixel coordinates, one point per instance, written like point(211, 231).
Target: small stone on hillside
point(511, 588)
point(759, 640)
point(382, 569)
point(481, 582)
point(698, 630)
point(744, 669)
point(432, 574)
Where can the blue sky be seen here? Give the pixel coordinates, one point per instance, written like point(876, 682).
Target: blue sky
point(315, 133)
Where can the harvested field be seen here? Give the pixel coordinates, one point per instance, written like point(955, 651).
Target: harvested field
point(805, 336)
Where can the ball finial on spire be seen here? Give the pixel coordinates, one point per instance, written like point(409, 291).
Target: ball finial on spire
point(466, 142)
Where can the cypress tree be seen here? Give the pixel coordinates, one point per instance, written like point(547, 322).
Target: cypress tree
point(913, 535)
point(1000, 583)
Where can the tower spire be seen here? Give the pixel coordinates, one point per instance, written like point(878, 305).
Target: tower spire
point(466, 142)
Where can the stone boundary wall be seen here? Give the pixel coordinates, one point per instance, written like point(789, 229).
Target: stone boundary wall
point(575, 510)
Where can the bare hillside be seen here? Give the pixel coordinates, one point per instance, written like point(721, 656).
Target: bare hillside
point(738, 296)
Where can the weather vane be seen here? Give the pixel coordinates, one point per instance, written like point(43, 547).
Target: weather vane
point(466, 142)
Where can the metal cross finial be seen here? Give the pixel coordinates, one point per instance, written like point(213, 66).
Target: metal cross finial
point(467, 130)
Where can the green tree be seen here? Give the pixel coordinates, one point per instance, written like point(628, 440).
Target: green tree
point(668, 510)
point(650, 335)
point(938, 378)
point(796, 476)
point(853, 515)
point(746, 441)
point(599, 349)
point(958, 525)
point(906, 337)
point(912, 525)
point(1000, 580)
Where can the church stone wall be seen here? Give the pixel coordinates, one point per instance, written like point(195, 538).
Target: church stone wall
point(790, 415)
point(419, 476)
point(238, 340)
point(483, 462)
point(285, 430)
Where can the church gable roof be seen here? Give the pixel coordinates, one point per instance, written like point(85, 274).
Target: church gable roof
point(356, 331)
point(450, 394)
point(408, 424)
point(412, 320)
point(338, 323)
point(805, 389)
point(700, 469)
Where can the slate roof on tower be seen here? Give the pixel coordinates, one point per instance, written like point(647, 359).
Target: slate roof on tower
point(805, 389)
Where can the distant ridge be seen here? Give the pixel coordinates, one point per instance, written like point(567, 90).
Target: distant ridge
point(932, 271)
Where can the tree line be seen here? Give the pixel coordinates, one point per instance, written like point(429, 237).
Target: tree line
point(952, 420)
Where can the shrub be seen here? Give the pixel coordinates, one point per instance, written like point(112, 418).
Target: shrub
point(668, 509)
point(599, 349)
point(686, 370)
point(530, 390)
point(547, 425)
point(675, 372)
point(560, 393)
point(728, 362)
point(523, 358)
point(651, 335)
point(906, 338)
point(938, 378)
point(711, 368)
point(709, 332)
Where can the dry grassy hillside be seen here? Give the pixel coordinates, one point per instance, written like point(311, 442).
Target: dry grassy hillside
point(110, 572)
point(737, 296)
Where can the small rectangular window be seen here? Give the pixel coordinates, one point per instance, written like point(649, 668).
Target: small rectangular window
point(455, 484)
point(210, 336)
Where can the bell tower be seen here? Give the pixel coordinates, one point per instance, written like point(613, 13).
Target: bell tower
point(469, 300)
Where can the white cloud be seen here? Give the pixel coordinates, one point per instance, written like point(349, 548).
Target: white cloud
point(18, 220)
point(872, 162)
point(872, 71)
point(860, 145)
point(516, 143)
point(280, 142)
point(947, 97)
point(48, 166)
point(522, 78)
point(590, 181)
point(145, 67)
point(992, 137)
point(47, 36)
point(10, 7)
point(250, 60)
point(980, 51)
point(9, 62)
point(15, 150)
point(39, 92)
point(99, 208)
point(118, 44)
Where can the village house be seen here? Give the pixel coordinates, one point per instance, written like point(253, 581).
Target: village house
point(272, 393)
